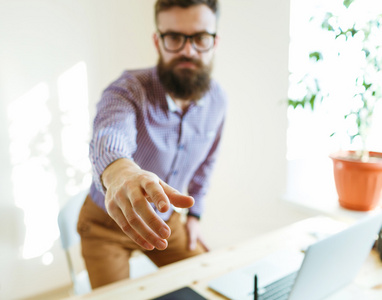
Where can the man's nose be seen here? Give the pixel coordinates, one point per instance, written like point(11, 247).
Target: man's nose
point(188, 49)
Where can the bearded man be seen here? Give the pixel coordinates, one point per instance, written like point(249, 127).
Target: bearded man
point(156, 136)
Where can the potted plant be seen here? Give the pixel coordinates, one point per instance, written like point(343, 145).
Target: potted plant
point(357, 172)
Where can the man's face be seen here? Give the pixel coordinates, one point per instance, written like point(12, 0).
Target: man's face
point(188, 69)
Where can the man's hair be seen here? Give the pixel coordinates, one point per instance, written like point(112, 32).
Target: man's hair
point(162, 5)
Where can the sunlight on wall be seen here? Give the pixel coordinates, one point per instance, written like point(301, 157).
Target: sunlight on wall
point(34, 177)
point(34, 180)
point(73, 102)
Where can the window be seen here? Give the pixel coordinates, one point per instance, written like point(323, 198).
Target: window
point(309, 140)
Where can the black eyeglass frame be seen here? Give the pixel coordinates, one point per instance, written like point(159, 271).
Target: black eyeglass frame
point(187, 37)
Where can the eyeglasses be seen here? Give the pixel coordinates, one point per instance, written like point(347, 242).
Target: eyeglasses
point(175, 42)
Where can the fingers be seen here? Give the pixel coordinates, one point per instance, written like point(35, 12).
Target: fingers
point(127, 202)
point(142, 217)
point(120, 219)
point(194, 234)
point(192, 239)
point(138, 220)
point(203, 243)
point(192, 226)
point(162, 195)
point(177, 199)
point(156, 194)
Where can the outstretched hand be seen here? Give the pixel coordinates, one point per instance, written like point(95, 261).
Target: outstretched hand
point(129, 189)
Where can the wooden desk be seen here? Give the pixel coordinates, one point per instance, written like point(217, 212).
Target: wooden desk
point(196, 272)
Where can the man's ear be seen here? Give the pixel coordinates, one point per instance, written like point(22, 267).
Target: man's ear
point(156, 41)
point(217, 41)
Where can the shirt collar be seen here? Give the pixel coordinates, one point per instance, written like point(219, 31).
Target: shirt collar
point(171, 104)
point(173, 107)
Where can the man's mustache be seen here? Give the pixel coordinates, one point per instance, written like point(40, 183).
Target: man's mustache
point(181, 59)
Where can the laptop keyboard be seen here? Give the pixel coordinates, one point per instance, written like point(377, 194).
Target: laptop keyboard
point(279, 289)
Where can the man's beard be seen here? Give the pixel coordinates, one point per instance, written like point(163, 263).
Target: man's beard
point(184, 83)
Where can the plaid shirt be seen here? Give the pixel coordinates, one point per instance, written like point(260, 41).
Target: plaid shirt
point(137, 120)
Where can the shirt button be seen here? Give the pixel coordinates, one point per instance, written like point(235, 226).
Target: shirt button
point(180, 147)
point(174, 172)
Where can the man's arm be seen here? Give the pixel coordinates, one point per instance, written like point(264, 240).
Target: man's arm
point(128, 189)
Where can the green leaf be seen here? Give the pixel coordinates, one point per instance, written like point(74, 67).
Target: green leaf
point(341, 33)
point(347, 3)
point(293, 103)
point(315, 55)
point(325, 23)
point(353, 31)
point(366, 85)
point(367, 52)
point(352, 137)
point(311, 101)
point(317, 84)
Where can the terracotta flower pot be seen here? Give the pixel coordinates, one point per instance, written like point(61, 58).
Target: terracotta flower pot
point(359, 184)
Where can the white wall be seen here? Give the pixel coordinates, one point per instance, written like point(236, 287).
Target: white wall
point(41, 39)
point(252, 64)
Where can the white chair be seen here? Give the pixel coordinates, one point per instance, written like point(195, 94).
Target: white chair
point(140, 264)
point(67, 223)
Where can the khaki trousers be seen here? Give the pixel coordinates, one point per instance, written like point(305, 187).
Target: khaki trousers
point(106, 249)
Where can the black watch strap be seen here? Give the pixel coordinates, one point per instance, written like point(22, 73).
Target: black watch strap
point(193, 215)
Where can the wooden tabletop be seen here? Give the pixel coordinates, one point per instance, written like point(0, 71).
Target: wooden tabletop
point(196, 272)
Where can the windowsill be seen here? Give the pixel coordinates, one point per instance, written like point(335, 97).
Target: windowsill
point(326, 205)
point(311, 188)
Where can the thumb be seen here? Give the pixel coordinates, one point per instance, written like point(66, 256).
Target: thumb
point(176, 198)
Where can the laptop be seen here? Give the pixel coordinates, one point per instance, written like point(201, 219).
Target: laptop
point(327, 266)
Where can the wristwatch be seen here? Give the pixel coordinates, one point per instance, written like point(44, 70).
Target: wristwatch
point(379, 244)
